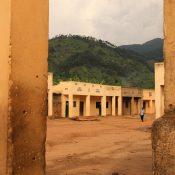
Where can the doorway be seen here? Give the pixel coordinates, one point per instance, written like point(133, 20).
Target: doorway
point(67, 109)
point(81, 108)
point(127, 105)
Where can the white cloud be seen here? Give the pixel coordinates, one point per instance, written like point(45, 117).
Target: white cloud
point(118, 21)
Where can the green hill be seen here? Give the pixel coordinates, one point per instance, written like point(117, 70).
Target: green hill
point(151, 50)
point(90, 60)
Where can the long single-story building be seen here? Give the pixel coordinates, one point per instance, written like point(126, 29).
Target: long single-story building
point(71, 99)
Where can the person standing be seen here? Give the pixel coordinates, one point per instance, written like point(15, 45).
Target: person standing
point(142, 113)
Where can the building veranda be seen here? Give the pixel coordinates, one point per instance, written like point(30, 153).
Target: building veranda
point(73, 99)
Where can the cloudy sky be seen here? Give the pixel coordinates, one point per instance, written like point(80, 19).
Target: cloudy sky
point(117, 21)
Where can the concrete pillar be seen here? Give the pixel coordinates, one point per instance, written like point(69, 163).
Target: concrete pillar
point(63, 106)
point(113, 106)
point(23, 89)
point(163, 130)
point(50, 94)
point(70, 105)
point(50, 103)
point(132, 106)
point(103, 105)
point(78, 107)
point(88, 105)
point(139, 105)
point(151, 107)
point(120, 106)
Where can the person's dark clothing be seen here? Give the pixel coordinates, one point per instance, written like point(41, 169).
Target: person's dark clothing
point(142, 117)
point(142, 114)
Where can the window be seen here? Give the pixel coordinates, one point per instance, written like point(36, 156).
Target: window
point(74, 105)
point(79, 89)
point(98, 104)
point(97, 90)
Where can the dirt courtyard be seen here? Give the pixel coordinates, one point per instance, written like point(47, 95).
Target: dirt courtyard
point(112, 145)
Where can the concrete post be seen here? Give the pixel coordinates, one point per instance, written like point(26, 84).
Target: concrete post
point(70, 105)
point(163, 130)
point(103, 105)
point(151, 107)
point(139, 105)
point(113, 106)
point(63, 106)
point(78, 107)
point(50, 103)
point(120, 106)
point(132, 106)
point(88, 105)
point(50, 94)
point(23, 89)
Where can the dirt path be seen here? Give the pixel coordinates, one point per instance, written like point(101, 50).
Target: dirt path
point(112, 145)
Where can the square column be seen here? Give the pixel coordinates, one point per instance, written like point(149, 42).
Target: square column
point(63, 106)
point(132, 106)
point(70, 105)
point(113, 106)
point(120, 106)
point(23, 90)
point(140, 104)
point(78, 107)
point(50, 94)
point(88, 105)
point(103, 105)
point(50, 103)
point(151, 107)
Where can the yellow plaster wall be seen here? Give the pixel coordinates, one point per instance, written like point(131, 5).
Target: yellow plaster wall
point(94, 111)
point(5, 18)
point(126, 109)
point(169, 55)
point(81, 88)
point(131, 92)
point(28, 92)
point(159, 89)
point(148, 94)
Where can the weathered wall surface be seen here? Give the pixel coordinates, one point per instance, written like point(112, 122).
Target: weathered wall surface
point(29, 39)
point(26, 63)
point(163, 130)
point(4, 67)
point(169, 53)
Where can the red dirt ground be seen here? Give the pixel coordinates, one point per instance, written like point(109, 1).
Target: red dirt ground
point(107, 147)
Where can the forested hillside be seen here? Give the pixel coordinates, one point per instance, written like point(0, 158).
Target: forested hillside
point(90, 60)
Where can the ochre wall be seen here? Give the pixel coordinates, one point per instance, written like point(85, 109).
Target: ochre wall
point(169, 54)
point(109, 109)
point(4, 79)
point(159, 89)
point(93, 110)
point(56, 105)
point(126, 108)
point(23, 65)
